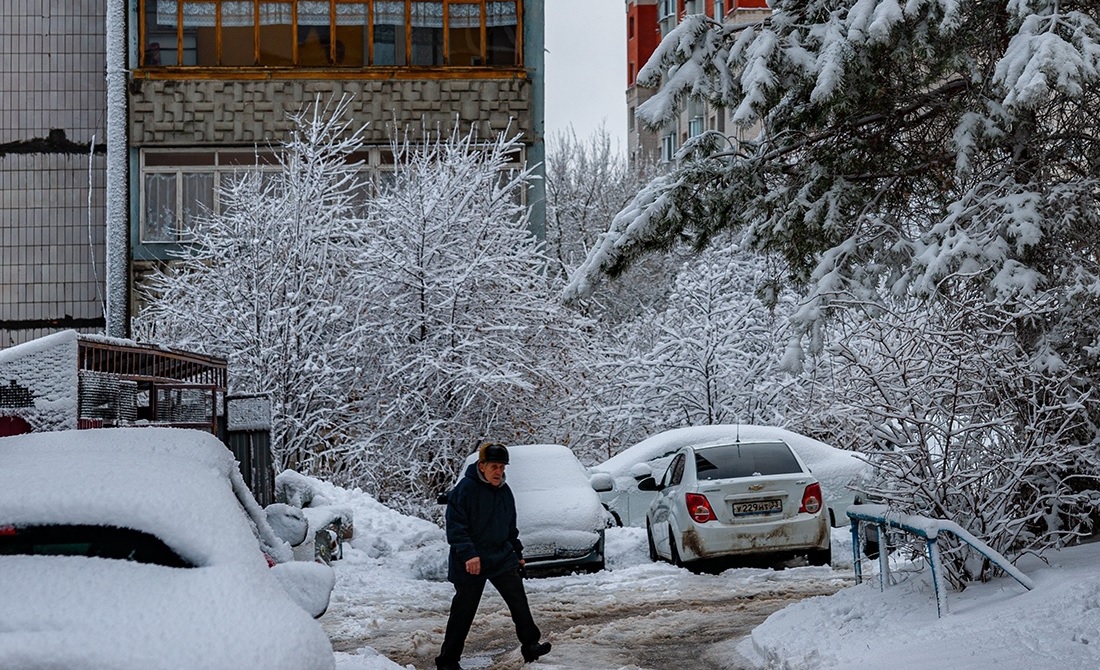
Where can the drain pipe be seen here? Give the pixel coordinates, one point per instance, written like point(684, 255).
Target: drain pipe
point(118, 227)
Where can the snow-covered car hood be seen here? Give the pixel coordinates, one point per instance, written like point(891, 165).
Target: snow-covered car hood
point(72, 613)
point(557, 511)
point(552, 522)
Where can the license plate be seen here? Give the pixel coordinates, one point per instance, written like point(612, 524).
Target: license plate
point(757, 507)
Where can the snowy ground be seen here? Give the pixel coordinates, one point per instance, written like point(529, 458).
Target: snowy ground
point(390, 595)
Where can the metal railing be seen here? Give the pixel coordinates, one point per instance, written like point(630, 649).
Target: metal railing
point(929, 530)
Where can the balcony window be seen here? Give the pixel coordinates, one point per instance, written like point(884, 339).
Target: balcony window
point(329, 33)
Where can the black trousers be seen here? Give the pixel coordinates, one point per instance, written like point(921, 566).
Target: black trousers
point(464, 607)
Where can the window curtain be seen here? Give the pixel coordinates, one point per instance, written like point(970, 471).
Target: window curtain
point(236, 13)
point(465, 16)
point(389, 13)
point(239, 13)
point(499, 14)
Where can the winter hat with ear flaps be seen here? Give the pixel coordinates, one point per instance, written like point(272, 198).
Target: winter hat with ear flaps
point(492, 453)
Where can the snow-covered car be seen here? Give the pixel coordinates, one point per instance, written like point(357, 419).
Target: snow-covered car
point(560, 519)
point(141, 548)
point(729, 499)
point(328, 526)
point(617, 478)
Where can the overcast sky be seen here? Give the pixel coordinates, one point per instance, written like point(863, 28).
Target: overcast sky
point(586, 67)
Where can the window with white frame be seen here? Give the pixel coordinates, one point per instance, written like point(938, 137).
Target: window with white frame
point(178, 187)
point(668, 147)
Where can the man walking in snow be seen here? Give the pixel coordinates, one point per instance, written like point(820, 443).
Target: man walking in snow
point(485, 547)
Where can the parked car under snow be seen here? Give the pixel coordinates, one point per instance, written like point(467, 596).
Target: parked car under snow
point(140, 548)
point(560, 519)
point(617, 478)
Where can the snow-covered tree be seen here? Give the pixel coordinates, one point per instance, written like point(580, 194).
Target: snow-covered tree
point(587, 182)
point(265, 283)
point(963, 424)
point(711, 355)
point(468, 339)
point(902, 146)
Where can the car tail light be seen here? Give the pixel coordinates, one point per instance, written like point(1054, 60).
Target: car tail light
point(7, 530)
point(811, 499)
point(699, 508)
point(270, 561)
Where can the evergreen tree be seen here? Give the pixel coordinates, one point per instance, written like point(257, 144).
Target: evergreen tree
point(911, 152)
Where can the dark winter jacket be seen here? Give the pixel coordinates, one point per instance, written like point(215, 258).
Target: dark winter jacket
point(481, 522)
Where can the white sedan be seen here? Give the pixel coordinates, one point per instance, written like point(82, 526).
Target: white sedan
point(141, 548)
point(731, 499)
point(617, 478)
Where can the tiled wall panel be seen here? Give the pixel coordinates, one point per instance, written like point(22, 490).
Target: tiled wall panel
point(52, 187)
point(183, 113)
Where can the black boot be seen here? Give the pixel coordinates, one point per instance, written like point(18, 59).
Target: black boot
point(447, 666)
point(531, 652)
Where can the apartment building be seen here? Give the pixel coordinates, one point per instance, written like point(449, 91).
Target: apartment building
point(209, 87)
point(647, 22)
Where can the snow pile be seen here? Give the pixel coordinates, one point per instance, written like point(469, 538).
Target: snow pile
point(993, 625)
point(416, 547)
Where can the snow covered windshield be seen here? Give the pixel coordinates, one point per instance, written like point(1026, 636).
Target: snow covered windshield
point(745, 460)
point(88, 540)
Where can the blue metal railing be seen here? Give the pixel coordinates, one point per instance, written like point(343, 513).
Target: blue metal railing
point(929, 530)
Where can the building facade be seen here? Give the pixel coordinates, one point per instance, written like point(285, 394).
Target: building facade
point(210, 86)
point(647, 23)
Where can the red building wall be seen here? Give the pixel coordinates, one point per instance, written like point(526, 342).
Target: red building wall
point(642, 37)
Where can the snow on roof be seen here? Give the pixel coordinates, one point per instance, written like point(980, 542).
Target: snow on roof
point(814, 452)
point(37, 346)
point(174, 483)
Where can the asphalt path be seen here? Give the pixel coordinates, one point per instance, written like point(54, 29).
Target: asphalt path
point(641, 617)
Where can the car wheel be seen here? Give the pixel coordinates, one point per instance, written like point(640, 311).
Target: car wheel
point(652, 547)
point(673, 552)
point(820, 556)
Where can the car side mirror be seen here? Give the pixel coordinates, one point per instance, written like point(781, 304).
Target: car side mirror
point(640, 471)
point(309, 584)
point(288, 522)
point(649, 484)
point(601, 482)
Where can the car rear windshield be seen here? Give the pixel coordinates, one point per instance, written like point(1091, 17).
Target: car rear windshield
point(745, 460)
point(88, 540)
